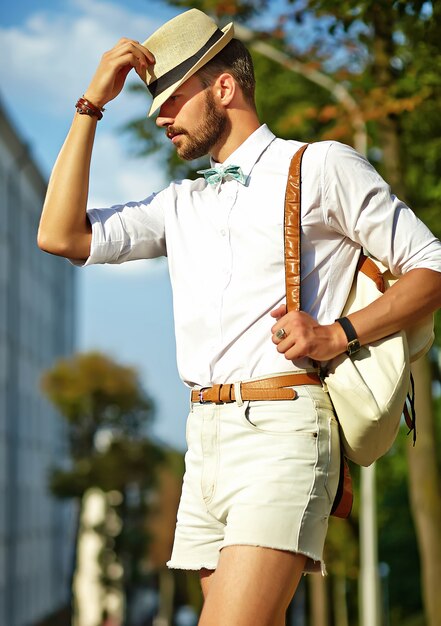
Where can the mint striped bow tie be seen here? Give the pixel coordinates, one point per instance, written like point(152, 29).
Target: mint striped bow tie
point(215, 175)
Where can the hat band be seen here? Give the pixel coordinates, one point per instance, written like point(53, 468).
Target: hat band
point(171, 77)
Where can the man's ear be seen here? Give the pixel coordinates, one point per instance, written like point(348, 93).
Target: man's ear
point(225, 89)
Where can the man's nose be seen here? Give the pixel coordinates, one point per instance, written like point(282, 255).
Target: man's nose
point(163, 120)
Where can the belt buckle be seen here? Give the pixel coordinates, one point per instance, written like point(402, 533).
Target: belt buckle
point(201, 396)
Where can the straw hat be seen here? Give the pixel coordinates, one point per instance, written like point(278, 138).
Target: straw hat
point(181, 47)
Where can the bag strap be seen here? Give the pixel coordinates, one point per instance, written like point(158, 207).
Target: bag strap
point(292, 238)
point(344, 497)
point(292, 231)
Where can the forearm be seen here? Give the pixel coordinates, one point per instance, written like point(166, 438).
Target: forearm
point(414, 296)
point(64, 228)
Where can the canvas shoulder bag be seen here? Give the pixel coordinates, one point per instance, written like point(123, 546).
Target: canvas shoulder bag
point(368, 389)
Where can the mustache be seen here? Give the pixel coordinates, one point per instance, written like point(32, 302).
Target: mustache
point(175, 130)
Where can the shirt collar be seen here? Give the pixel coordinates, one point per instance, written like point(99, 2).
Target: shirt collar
point(250, 151)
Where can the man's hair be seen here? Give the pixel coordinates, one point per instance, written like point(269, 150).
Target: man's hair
point(236, 60)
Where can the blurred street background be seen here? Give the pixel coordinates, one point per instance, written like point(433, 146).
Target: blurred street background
point(92, 412)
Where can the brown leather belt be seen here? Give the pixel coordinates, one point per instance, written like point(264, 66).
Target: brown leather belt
point(273, 388)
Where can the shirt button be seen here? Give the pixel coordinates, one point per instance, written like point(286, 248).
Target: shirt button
point(223, 232)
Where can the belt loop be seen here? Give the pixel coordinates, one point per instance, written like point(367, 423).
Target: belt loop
point(238, 394)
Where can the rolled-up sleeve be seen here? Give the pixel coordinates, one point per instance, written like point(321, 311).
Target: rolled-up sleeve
point(360, 205)
point(127, 232)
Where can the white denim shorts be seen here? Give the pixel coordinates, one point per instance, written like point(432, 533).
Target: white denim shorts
point(259, 473)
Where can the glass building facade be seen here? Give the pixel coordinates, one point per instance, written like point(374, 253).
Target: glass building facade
point(36, 328)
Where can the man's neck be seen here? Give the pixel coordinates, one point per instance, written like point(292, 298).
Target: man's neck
point(241, 128)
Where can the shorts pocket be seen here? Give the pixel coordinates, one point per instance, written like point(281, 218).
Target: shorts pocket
point(333, 469)
point(190, 426)
point(282, 417)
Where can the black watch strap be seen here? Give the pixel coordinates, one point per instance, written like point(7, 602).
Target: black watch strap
point(353, 342)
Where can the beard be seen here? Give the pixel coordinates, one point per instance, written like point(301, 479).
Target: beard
point(206, 135)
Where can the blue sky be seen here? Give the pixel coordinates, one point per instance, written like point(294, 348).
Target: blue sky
point(49, 52)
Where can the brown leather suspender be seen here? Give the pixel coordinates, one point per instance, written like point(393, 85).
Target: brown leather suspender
point(344, 497)
point(292, 231)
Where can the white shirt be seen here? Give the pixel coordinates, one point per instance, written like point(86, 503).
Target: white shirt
point(225, 249)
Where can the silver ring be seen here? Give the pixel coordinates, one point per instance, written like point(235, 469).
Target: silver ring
point(281, 333)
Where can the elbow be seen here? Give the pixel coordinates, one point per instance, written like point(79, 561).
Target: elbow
point(41, 241)
point(52, 245)
point(45, 242)
point(71, 247)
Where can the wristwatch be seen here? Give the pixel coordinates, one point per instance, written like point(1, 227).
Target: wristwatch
point(353, 343)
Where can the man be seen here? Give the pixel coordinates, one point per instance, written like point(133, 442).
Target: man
point(263, 459)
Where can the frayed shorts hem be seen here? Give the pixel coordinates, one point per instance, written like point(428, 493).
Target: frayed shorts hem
point(313, 565)
point(192, 567)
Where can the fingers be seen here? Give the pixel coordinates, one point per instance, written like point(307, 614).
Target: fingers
point(297, 335)
point(283, 320)
point(281, 338)
point(289, 344)
point(148, 54)
point(114, 67)
point(137, 48)
point(140, 57)
point(281, 334)
point(289, 332)
point(132, 54)
point(279, 312)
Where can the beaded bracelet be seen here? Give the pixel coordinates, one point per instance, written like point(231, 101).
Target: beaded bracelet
point(86, 107)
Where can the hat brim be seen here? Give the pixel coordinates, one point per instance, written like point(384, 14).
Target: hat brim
point(158, 100)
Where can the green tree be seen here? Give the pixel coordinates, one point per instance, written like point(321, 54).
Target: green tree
point(176, 587)
point(398, 88)
point(107, 414)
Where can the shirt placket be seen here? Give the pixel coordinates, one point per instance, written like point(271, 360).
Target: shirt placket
point(227, 197)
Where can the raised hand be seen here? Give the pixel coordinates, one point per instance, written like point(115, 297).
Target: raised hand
point(113, 69)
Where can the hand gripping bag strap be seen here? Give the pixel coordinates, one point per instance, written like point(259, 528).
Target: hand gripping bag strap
point(344, 497)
